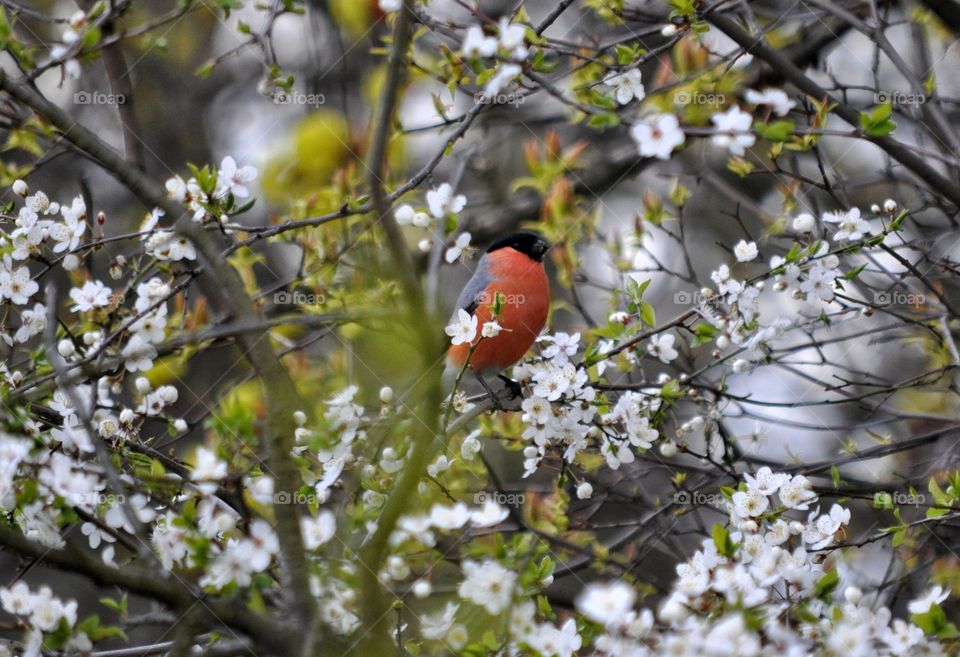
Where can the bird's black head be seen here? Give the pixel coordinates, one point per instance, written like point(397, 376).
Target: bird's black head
point(530, 244)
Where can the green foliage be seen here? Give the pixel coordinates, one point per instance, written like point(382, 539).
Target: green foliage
point(877, 123)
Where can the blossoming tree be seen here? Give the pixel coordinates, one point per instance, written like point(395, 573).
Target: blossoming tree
point(223, 410)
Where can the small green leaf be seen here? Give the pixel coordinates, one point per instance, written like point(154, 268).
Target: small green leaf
point(882, 500)
point(853, 273)
point(878, 123)
point(647, 314)
point(721, 538)
point(775, 131)
point(826, 584)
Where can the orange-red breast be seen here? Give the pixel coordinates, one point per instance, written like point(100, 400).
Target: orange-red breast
point(512, 267)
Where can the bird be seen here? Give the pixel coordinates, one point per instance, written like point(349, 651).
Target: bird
point(512, 267)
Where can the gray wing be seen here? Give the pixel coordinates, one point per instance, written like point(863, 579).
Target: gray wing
point(472, 294)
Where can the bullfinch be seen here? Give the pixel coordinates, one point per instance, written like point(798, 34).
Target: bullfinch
point(512, 267)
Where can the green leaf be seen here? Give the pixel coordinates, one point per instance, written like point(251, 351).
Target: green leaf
point(678, 193)
point(606, 120)
point(541, 64)
point(671, 390)
point(205, 69)
point(636, 289)
point(92, 37)
point(826, 584)
point(878, 123)
point(647, 314)
point(898, 220)
point(775, 131)
point(721, 538)
point(899, 536)
point(835, 476)
point(853, 273)
point(882, 500)
point(934, 621)
point(119, 606)
point(703, 333)
point(625, 54)
point(938, 495)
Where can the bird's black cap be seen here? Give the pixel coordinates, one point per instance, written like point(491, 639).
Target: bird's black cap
point(530, 244)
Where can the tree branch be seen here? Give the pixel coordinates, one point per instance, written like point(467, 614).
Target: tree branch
point(225, 290)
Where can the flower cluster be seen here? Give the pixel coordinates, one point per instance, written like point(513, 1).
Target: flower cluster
point(44, 613)
point(763, 586)
point(657, 135)
point(510, 42)
point(202, 192)
point(443, 207)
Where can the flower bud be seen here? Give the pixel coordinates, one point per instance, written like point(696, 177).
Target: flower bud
point(386, 395)
point(20, 188)
point(853, 595)
point(169, 394)
point(584, 491)
point(668, 449)
point(421, 588)
point(673, 611)
point(70, 262)
point(65, 348)
point(77, 19)
point(490, 330)
point(804, 223)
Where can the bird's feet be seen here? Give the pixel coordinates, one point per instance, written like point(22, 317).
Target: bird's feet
point(494, 399)
point(516, 390)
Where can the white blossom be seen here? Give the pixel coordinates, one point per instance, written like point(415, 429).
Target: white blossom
point(487, 584)
point(442, 201)
point(733, 130)
point(658, 136)
point(776, 99)
point(627, 85)
point(464, 329)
